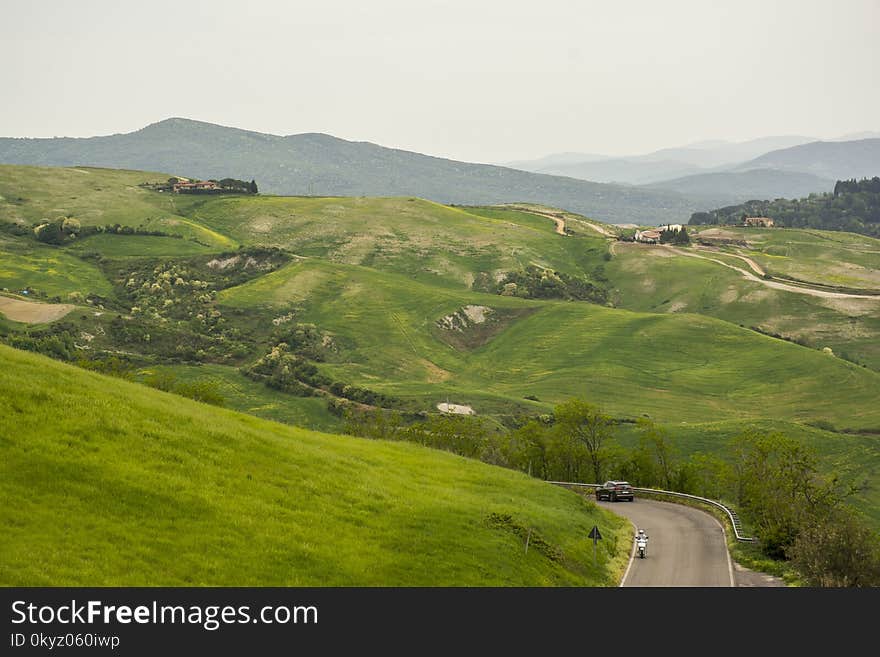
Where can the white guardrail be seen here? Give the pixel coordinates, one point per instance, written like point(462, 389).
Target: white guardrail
point(734, 520)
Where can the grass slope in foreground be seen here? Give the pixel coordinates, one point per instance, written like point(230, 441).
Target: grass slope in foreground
point(111, 483)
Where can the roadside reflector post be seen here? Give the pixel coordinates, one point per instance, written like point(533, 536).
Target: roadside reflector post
point(596, 536)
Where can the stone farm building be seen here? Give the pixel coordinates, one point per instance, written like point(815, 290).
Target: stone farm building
point(647, 236)
point(764, 222)
point(201, 186)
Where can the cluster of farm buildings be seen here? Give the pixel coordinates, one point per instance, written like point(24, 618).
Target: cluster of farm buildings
point(652, 235)
point(179, 185)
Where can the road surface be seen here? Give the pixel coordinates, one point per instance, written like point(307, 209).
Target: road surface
point(686, 546)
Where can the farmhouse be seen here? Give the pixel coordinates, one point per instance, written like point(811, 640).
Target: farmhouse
point(671, 227)
point(764, 222)
point(647, 236)
point(201, 186)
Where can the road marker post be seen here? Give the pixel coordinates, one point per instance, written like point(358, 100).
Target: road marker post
point(596, 536)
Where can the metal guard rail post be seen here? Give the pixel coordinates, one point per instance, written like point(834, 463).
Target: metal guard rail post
point(731, 514)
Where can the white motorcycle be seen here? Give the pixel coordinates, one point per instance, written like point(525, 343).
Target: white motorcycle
point(642, 546)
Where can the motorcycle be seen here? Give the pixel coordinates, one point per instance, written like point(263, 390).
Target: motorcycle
point(642, 545)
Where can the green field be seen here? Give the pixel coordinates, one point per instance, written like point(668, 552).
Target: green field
point(96, 197)
point(426, 241)
point(49, 271)
point(116, 484)
point(655, 280)
point(634, 364)
point(137, 246)
point(833, 258)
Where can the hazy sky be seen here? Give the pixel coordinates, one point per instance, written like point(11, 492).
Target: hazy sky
point(478, 80)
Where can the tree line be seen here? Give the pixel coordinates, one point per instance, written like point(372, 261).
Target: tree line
point(853, 206)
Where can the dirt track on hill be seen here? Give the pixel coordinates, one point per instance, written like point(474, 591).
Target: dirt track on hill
point(774, 284)
point(751, 263)
point(31, 312)
point(560, 222)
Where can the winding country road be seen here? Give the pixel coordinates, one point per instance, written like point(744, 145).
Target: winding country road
point(686, 547)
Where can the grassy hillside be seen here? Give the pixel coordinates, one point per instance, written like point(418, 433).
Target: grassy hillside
point(95, 197)
point(48, 271)
point(424, 240)
point(240, 393)
point(397, 298)
point(143, 488)
point(657, 280)
point(833, 258)
point(666, 366)
point(324, 165)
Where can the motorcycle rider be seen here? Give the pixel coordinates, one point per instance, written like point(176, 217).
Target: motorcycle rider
point(642, 540)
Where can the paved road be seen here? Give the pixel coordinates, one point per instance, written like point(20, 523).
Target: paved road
point(686, 546)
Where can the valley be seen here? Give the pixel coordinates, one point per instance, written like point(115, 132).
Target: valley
point(304, 313)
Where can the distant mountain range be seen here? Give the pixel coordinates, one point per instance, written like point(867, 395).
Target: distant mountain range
point(730, 187)
point(667, 185)
point(832, 160)
point(725, 172)
point(319, 164)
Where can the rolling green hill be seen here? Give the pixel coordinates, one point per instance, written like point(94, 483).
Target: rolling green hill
point(658, 280)
point(667, 366)
point(142, 488)
point(52, 271)
point(407, 303)
point(95, 197)
point(820, 257)
point(427, 241)
point(377, 277)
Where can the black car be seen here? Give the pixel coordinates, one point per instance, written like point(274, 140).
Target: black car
point(614, 491)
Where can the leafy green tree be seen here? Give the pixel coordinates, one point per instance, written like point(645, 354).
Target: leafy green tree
point(656, 445)
point(779, 488)
point(681, 237)
point(530, 449)
point(707, 476)
point(586, 424)
point(568, 459)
